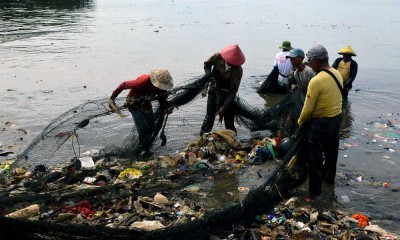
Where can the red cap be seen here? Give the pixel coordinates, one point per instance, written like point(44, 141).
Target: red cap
point(233, 55)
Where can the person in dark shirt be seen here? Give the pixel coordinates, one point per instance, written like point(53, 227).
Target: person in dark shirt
point(347, 67)
point(226, 68)
point(143, 90)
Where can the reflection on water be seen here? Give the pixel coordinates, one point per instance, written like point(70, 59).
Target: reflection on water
point(225, 188)
point(272, 99)
point(57, 4)
point(24, 19)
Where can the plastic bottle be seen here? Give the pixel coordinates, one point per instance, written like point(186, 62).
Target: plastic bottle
point(221, 157)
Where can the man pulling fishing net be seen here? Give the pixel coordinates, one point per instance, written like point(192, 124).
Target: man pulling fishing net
point(143, 90)
point(226, 68)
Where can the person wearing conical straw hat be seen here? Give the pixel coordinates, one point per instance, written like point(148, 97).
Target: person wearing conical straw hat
point(347, 67)
point(143, 90)
point(225, 67)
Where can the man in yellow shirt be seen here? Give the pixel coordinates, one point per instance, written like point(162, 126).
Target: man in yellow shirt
point(347, 67)
point(322, 115)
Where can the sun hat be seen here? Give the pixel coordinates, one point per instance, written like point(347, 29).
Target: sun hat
point(286, 45)
point(161, 79)
point(295, 52)
point(233, 55)
point(347, 50)
point(317, 51)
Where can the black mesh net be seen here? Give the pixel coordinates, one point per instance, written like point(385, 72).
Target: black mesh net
point(93, 129)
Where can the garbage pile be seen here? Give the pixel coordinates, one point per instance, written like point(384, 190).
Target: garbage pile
point(150, 194)
point(290, 220)
point(213, 172)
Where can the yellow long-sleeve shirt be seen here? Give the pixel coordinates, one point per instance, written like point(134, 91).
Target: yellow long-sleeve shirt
point(323, 98)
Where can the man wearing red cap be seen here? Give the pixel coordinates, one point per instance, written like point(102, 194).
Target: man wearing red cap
point(227, 71)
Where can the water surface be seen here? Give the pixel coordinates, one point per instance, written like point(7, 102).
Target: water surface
point(54, 58)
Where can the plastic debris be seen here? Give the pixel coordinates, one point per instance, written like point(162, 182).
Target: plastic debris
point(118, 207)
point(148, 225)
point(89, 180)
point(375, 228)
point(160, 199)
point(243, 189)
point(130, 173)
point(85, 163)
point(28, 212)
point(145, 167)
point(362, 219)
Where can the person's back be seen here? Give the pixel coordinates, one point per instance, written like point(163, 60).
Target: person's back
point(283, 64)
point(324, 95)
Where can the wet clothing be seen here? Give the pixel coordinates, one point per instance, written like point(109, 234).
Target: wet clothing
point(322, 148)
point(284, 66)
point(139, 98)
point(344, 69)
point(142, 91)
point(221, 92)
point(323, 98)
point(348, 71)
point(322, 116)
point(303, 78)
point(212, 109)
point(145, 124)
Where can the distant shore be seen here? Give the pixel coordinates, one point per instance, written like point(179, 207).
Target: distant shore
point(47, 3)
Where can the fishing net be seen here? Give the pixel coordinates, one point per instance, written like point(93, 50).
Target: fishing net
point(270, 84)
point(93, 129)
point(262, 198)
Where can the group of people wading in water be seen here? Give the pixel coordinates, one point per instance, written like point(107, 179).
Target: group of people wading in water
point(324, 87)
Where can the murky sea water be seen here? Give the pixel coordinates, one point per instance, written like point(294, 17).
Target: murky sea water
point(56, 57)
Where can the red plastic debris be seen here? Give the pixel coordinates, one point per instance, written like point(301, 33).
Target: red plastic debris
point(83, 207)
point(362, 219)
